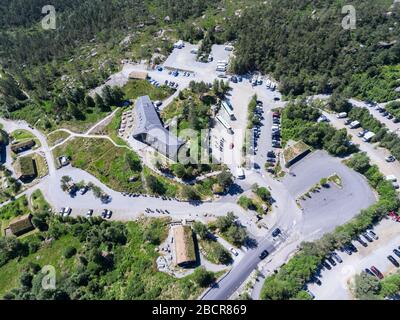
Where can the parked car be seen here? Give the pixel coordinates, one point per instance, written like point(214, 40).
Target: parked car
point(337, 257)
point(363, 243)
point(104, 213)
point(67, 211)
point(276, 232)
point(109, 214)
point(234, 252)
point(393, 260)
point(89, 213)
point(331, 261)
point(263, 254)
point(326, 265)
point(372, 234)
point(396, 252)
point(311, 294)
point(362, 133)
point(369, 272)
point(271, 154)
point(377, 272)
point(390, 159)
point(367, 237)
point(83, 190)
point(316, 280)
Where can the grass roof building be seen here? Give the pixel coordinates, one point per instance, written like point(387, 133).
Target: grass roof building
point(22, 146)
point(295, 151)
point(185, 254)
point(25, 168)
point(20, 225)
point(151, 131)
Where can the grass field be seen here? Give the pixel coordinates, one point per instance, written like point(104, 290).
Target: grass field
point(111, 165)
point(136, 88)
point(56, 137)
point(38, 202)
point(112, 128)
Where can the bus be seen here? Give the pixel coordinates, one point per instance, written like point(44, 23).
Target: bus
point(229, 110)
point(225, 124)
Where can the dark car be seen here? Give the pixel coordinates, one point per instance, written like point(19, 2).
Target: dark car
point(377, 272)
point(352, 247)
point(316, 280)
point(396, 252)
point(271, 154)
point(347, 250)
point(263, 254)
point(337, 257)
point(276, 232)
point(366, 236)
point(367, 271)
point(331, 261)
point(393, 260)
point(326, 265)
point(361, 242)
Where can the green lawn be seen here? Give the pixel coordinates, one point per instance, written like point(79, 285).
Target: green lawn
point(57, 137)
point(136, 88)
point(111, 165)
point(19, 135)
point(38, 202)
point(112, 128)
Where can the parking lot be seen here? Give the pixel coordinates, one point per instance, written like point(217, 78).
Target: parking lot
point(336, 283)
point(331, 206)
point(183, 59)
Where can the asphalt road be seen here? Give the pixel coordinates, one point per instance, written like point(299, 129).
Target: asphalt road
point(224, 289)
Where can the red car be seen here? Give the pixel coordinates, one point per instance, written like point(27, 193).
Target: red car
point(377, 272)
point(393, 216)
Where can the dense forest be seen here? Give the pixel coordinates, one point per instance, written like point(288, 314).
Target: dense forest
point(302, 43)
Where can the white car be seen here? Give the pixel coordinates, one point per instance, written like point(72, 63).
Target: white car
point(234, 252)
point(67, 211)
point(89, 213)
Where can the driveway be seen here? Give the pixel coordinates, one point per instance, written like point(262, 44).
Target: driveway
point(331, 206)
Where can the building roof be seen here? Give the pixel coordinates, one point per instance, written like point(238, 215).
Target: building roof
point(150, 130)
point(184, 245)
point(25, 166)
point(22, 145)
point(137, 74)
point(21, 225)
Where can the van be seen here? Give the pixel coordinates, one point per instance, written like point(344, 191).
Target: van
point(342, 115)
point(354, 125)
point(391, 178)
point(240, 173)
